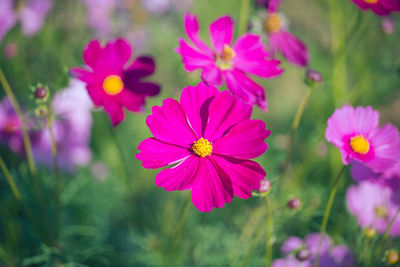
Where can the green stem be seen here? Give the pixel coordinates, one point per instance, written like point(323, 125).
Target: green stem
point(16, 107)
point(328, 212)
point(268, 233)
point(244, 16)
point(386, 234)
point(177, 232)
point(57, 171)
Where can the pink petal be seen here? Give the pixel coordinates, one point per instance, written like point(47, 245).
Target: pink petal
point(132, 101)
point(273, 5)
point(246, 89)
point(244, 174)
point(195, 102)
point(83, 75)
point(251, 47)
point(291, 244)
point(291, 47)
point(212, 187)
point(114, 110)
point(181, 176)
point(96, 95)
point(168, 123)
point(221, 32)
point(116, 54)
point(192, 59)
point(7, 17)
point(156, 154)
point(244, 140)
point(212, 75)
point(141, 67)
point(192, 30)
point(312, 243)
point(92, 53)
point(224, 112)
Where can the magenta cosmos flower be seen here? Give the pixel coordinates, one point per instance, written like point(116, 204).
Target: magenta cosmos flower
point(374, 205)
point(210, 139)
point(10, 127)
point(379, 7)
point(281, 40)
point(355, 132)
point(228, 62)
point(112, 85)
point(299, 253)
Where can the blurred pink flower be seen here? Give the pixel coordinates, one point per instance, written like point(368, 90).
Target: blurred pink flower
point(112, 85)
point(226, 62)
point(374, 206)
point(10, 50)
point(281, 40)
point(355, 132)
point(210, 138)
point(31, 15)
point(71, 128)
point(10, 127)
point(331, 256)
point(379, 7)
point(99, 15)
point(388, 25)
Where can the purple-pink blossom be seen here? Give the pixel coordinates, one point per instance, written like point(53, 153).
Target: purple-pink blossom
point(10, 127)
point(228, 62)
point(209, 138)
point(379, 7)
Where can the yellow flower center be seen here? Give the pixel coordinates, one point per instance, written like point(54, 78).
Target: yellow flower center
point(370, 232)
point(371, 1)
point(113, 85)
point(273, 22)
point(202, 147)
point(224, 61)
point(393, 257)
point(359, 144)
point(380, 211)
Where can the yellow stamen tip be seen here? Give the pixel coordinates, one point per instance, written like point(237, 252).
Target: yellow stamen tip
point(371, 1)
point(202, 147)
point(381, 211)
point(273, 23)
point(224, 61)
point(113, 85)
point(359, 144)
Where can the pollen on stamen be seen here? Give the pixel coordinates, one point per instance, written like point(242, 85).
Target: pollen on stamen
point(359, 144)
point(371, 1)
point(202, 147)
point(224, 60)
point(113, 85)
point(273, 23)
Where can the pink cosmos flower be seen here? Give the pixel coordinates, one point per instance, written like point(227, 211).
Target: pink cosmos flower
point(71, 128)
point(31, 15)
point(374, 205)
point(281, 40)
point(379, 7)
point(210, 139)
point(355, 132)
point(112, 85)
point(10, 127)
point(228, 62)
point(299, 253)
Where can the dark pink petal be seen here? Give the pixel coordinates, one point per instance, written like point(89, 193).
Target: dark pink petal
point(142, 88)
point(192, 59)
point(244, 140)
point(83, 75)
point(156, 154)
point(250, 47)
point(291, 47)
point(192, 30)
point(92, 53)
point(246, 89)
point(116, 54)
point(212, 187)
point(168, 123)
point(114, 110)
point(273, 5)
point(212, 75)
point(221, 32)
point(195, 102)
point(140, 67)
point(181, 176)
point(244, 174)
point(224, 112)
point(95, 94)
point(130, 100)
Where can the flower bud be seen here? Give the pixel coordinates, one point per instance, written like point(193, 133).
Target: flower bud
point(41, 111)
point(41, 93)
point(370, 232)
point(392, 257)
point(303, 254)
point(265, 186)
point(294, 203)
point(313, 77)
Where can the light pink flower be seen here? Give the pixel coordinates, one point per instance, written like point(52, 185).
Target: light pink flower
point(228, 62)
point(356, 133)
point(10, 127)
point(379, 7)
point(210, 139)
point(374, 206)
point(281, 40)
point(111, 83)
point(99, 15)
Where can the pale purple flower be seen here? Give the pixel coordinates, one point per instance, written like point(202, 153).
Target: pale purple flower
point(7, 17)
point(99, 15)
